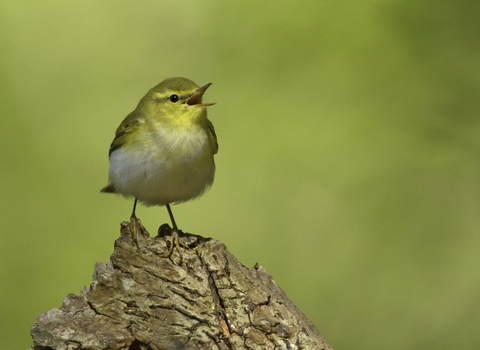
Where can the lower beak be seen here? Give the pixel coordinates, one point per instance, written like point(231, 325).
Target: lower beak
point(196, 98)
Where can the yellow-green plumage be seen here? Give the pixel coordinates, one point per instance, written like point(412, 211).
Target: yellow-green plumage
point(163, 151)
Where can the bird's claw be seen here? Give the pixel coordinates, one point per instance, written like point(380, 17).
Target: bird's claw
point(175, 243)
point(137, 229)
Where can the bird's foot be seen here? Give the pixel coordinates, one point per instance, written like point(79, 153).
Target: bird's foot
point(137, 229)
point(175, 243)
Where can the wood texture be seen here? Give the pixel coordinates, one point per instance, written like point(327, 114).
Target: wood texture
point(142, 299)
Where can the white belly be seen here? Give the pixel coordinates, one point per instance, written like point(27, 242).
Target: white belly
point(163, 175)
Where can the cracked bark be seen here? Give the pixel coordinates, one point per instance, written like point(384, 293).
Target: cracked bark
point(142, 300)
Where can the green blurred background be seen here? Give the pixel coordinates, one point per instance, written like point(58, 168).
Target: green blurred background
point(349, 163)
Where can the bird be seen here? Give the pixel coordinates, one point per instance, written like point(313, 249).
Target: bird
point(163, 151)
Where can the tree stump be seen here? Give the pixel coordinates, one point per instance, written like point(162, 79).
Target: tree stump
point(144, 299)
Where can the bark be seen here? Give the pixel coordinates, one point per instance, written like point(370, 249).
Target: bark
point(144, 299)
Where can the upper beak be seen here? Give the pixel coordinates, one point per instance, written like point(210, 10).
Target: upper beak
point(196, 98)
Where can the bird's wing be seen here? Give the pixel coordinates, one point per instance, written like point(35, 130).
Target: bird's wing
point(129, 125)
point(212, 136)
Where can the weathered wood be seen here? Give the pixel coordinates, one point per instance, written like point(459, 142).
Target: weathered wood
point(143, 300)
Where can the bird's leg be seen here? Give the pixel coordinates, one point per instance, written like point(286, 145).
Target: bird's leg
point(136, 226)
point(176, 241)
point(172, 219)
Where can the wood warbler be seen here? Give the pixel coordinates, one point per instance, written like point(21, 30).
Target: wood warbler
point(162, 152)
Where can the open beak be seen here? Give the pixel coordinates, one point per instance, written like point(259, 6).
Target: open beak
point(196, 98)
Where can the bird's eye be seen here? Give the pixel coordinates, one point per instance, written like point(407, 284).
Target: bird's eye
point(174, 98)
